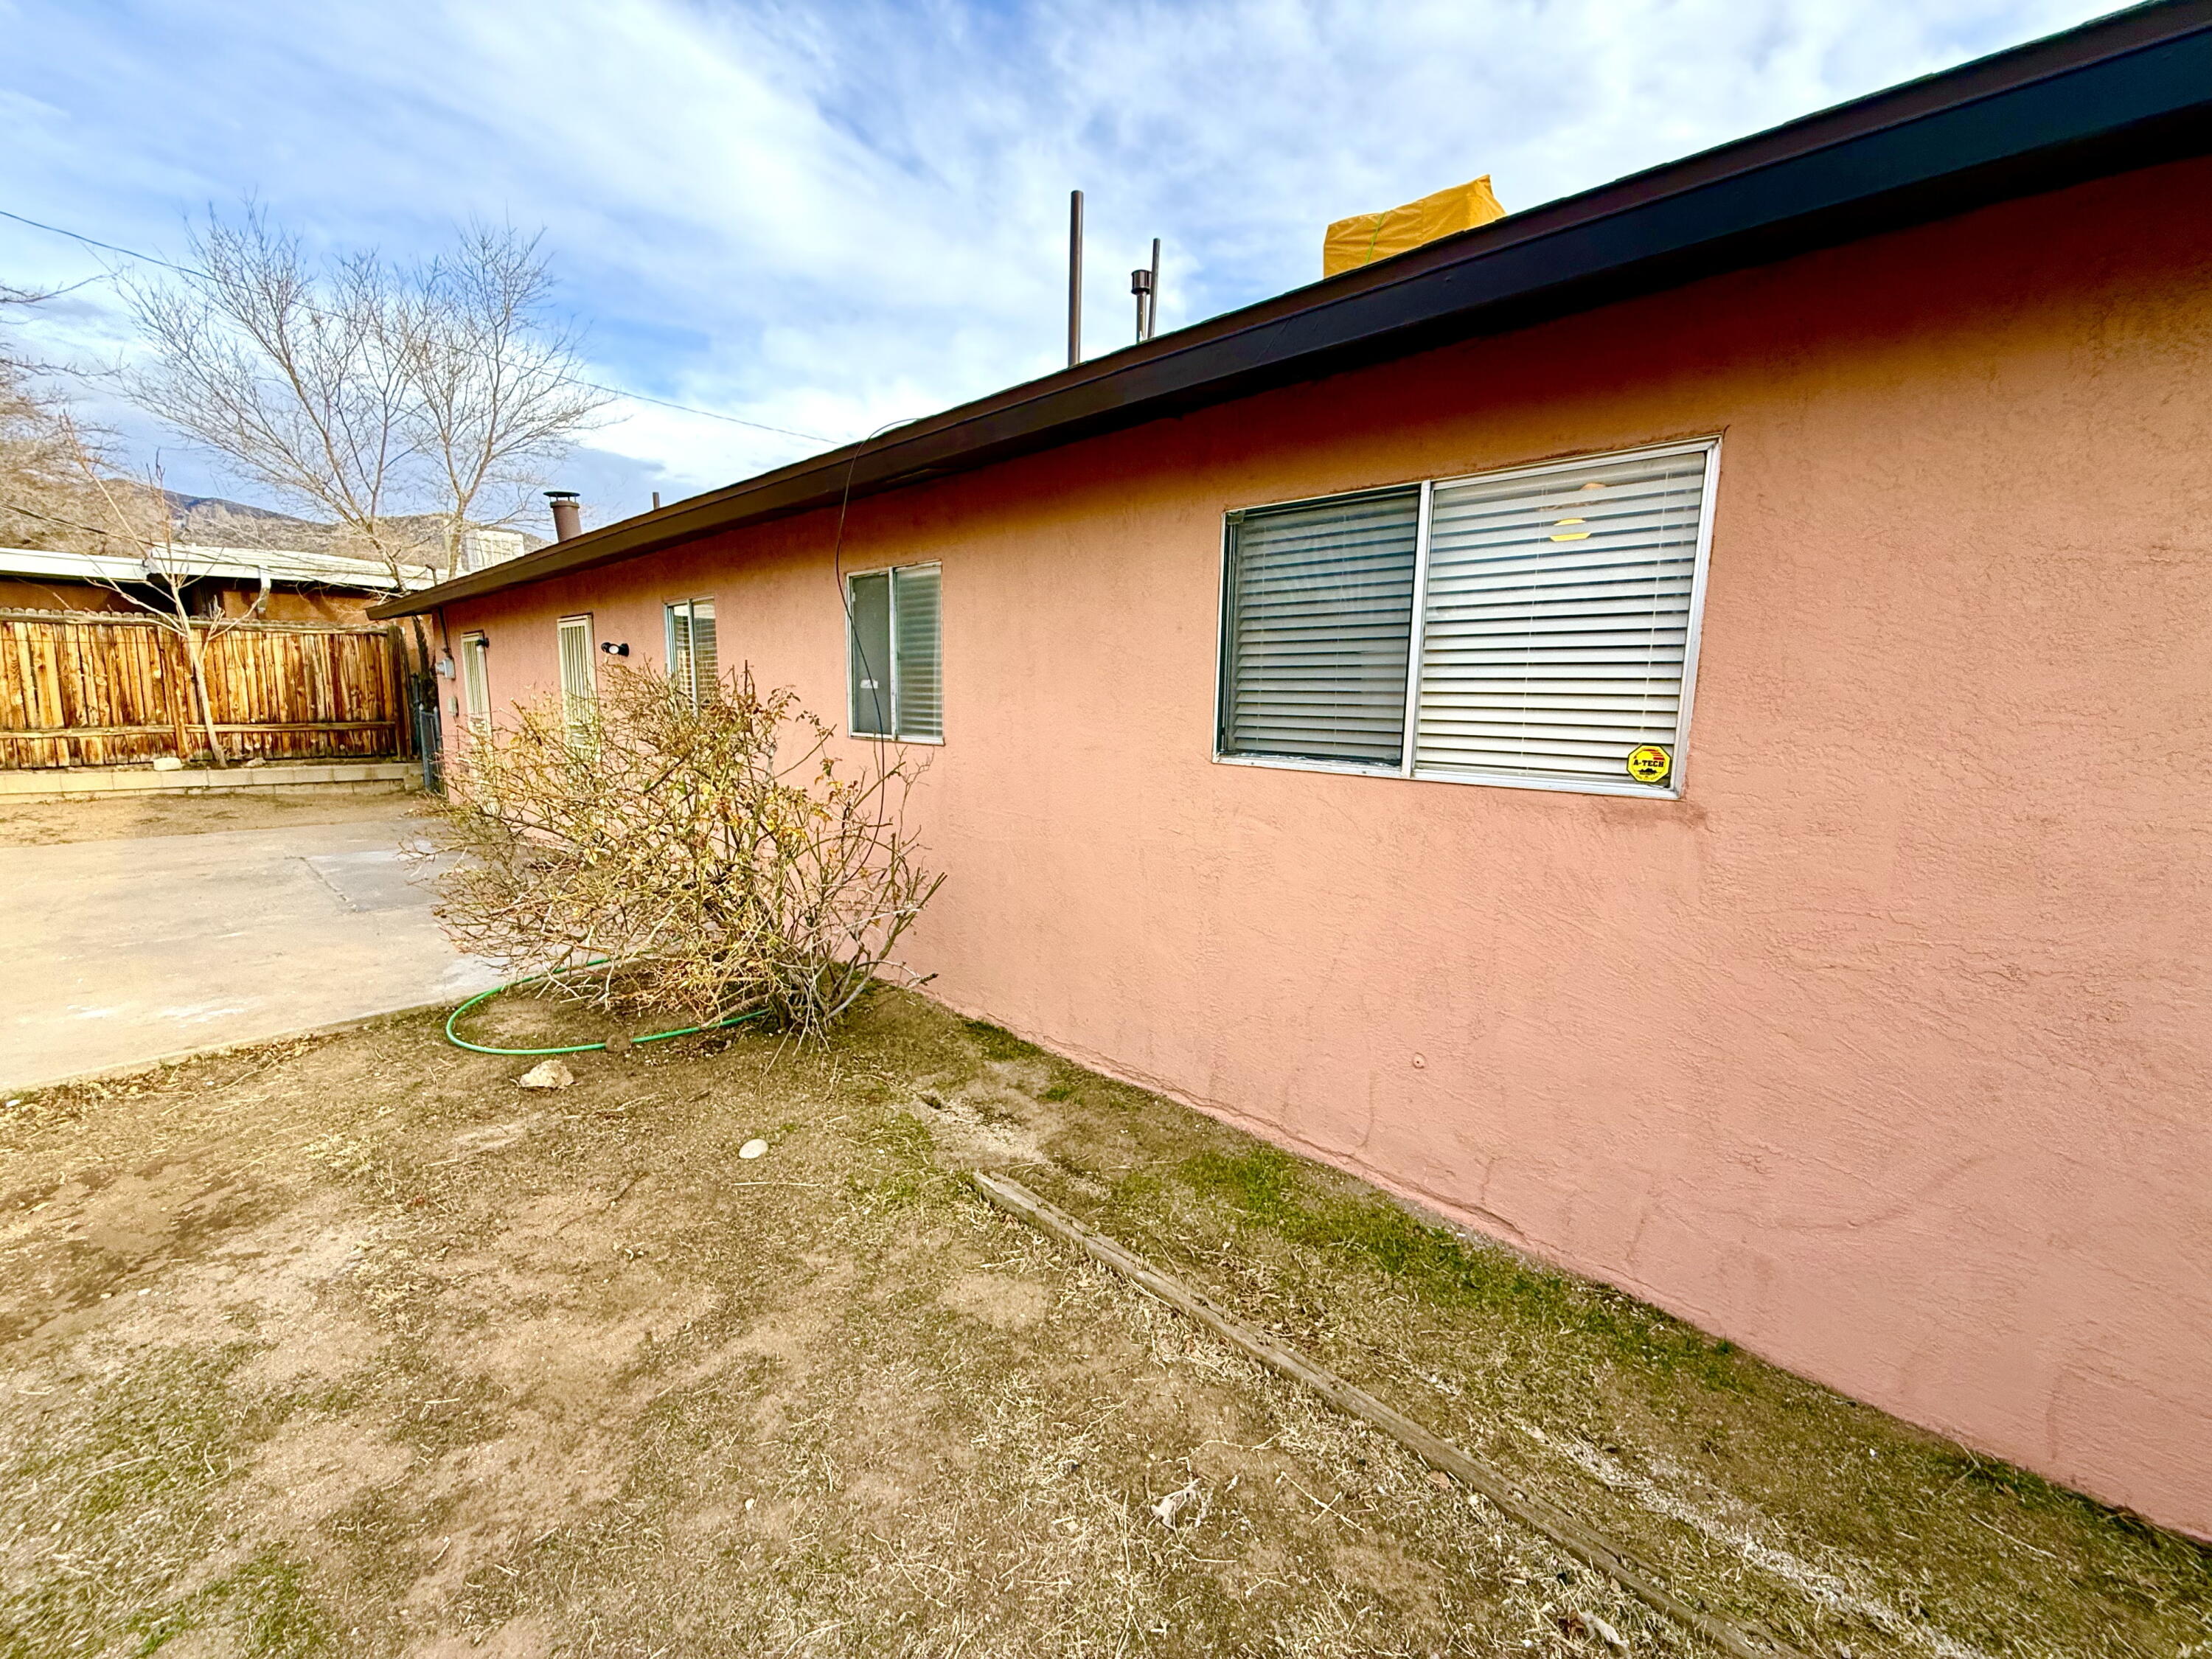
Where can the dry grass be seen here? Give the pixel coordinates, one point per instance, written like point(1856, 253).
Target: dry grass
point(350, 1347)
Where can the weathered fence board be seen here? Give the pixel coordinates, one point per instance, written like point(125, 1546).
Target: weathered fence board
point(97, 688)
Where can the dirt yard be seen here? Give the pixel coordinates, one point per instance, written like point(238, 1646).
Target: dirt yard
point(352, 1346)
point(125, 817)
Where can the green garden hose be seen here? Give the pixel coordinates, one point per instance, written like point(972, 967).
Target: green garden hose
point(460, 1042)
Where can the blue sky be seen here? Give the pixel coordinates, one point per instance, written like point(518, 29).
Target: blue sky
point(827, 217)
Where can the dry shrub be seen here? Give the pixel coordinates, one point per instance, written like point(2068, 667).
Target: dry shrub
point(711, 858)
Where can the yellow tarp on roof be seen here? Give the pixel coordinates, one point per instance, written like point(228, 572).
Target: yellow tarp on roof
point(1366, 237)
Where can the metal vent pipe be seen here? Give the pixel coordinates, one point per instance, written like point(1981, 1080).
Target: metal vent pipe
point(1074, 277)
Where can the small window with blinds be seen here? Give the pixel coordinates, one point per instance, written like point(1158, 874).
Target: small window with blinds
point(894, 654)
point(579, 689)
point(476, 682)
point(692, 663)
point(1319, 607)
point(1542, 622)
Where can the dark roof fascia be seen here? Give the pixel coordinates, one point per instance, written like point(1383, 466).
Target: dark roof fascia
point(2124, 92)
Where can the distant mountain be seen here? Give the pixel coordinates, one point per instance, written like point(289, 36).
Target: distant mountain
point(185, 506)
point(215, 522)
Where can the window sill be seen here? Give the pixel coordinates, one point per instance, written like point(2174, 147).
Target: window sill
point(1348, 768)
point(885, 737)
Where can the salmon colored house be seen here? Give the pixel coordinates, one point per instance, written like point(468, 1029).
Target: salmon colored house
point(1675, 729)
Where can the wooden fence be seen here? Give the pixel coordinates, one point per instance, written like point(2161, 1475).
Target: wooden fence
point(98, 688)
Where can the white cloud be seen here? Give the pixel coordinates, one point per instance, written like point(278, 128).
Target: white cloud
point(826, 218)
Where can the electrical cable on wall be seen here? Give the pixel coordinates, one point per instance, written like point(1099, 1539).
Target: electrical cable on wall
point(837, 571)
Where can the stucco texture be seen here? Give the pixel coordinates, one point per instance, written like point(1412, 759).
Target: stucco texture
point(1884, 1051)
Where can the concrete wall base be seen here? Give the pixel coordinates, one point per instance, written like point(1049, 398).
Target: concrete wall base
point(351, 777)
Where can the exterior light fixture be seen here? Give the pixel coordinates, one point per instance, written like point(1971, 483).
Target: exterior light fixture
point(613, 649)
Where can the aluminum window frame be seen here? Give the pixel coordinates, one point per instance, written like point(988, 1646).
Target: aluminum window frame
point(1221, 688)
point(690, 607)
point(1408, 767)
point(890, 573)
point(579, 707)
point(476, 678)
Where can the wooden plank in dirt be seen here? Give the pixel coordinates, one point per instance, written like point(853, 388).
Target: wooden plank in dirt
point(1586, 1544)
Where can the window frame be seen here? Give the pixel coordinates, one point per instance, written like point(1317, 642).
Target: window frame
point(890, 573)
point(690, 608)
point(1227, 605)
point(1408, 767)
point(476, 677)
point(586, 701)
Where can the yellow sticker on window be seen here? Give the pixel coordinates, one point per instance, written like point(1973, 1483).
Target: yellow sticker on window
point(1649, 764)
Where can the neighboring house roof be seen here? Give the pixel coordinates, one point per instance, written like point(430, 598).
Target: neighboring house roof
point(2125, 92)
point(239, 564)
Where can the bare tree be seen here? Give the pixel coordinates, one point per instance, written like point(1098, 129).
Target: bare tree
point(133, 519)
point(364, 393)
point(493, 378)
point(39, 482)
point(295, 379)
point(60, 489)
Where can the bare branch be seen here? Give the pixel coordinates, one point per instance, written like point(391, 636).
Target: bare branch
point(136, 521)
point(41, 492)
point(292, 378)
point(497, 400)
point(708, 858)
point(364, 393)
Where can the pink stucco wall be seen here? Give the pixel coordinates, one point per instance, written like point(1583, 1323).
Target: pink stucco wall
point(1886, 1052)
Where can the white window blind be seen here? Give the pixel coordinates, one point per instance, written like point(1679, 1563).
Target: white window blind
point(895, 655)
point(692, 661)
point(917, 677)
point(1318, 610)
point(1556, 620)
point(579, 691)
point(476, 681)
point(1535, 626)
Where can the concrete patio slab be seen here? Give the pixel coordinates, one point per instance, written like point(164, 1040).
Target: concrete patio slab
point(381, 878)
point(117, 952)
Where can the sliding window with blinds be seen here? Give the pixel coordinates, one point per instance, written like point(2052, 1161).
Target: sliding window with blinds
point(1542, 622)
point(692, 660)
point(1319, 606)
point(894, 653)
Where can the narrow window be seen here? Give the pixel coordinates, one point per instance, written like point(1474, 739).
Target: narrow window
point(692, 663)
point(869, 654)
point(1319, 606)
point(894, 654)
point(476, 682)
point(580, 690)
point(1536, 628)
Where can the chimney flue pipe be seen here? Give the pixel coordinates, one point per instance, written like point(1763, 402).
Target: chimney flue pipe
point(568, 518)
point(1074, 277)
